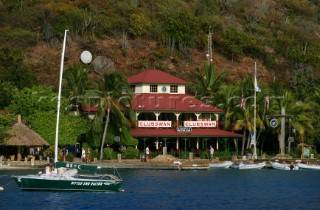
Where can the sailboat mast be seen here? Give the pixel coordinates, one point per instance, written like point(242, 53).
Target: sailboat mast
point(255, 114)
point(59, 98)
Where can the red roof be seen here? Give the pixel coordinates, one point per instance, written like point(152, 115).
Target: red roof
point(155, 77)
point(170, 103)
point(170, 132)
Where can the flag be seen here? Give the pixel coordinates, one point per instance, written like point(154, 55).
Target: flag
point(256, 87)
point(267, 102)
point(253, 138)
point(242, 105)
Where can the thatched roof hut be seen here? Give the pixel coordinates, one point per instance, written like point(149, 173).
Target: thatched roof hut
point(22, 135)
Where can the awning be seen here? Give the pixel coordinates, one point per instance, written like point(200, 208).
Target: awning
point(170, 132)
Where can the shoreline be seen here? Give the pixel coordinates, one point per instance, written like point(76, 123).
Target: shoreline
point(154, 164)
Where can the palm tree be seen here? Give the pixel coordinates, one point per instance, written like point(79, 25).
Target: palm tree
point(314, 101)
point(76, 82)
point(208, 81)
point(246, 123)
point(245, 117)
point(229, 101)
point(301, 120)
point(110, 97)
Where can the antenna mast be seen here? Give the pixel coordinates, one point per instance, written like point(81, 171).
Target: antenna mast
point(209, 53)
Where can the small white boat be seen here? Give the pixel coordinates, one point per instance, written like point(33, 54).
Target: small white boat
point(252, 165)
point(225, 164)
point(194, 167)
point(308, 166)
point(283, 166)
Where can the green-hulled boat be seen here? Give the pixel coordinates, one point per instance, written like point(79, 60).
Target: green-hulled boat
point(65, 176)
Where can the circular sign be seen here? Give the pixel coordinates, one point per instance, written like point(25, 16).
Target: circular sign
point(86, 57)
point(274, 123)
point(117, 138)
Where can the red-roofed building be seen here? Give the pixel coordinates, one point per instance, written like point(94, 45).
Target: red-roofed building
point(166, 114)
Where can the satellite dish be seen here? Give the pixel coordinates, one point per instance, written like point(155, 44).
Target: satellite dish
point(86, 57)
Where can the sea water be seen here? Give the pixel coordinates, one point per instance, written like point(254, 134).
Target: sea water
point(186, 189)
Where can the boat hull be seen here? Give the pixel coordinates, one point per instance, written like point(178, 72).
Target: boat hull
point(225, 164)
point(252, 166)
point(283, 166)
point(43, 183)
point(308, 166)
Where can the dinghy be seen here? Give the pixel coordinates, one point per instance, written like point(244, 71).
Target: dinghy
point(283, 166)
point(225, 164)
point(308, 166)
point(252, 165)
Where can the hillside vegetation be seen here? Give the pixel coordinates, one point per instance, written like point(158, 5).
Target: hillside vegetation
point(282, 36)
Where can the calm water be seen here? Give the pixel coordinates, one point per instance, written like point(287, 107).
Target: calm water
point(170, 189)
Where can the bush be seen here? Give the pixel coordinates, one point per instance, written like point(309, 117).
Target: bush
point(109, 154)
point(130, 153)
point(295, 152)
point(93, 154)
point(70, 157)
point(204, 154)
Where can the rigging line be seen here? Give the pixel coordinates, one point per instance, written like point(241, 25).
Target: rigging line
point(7, 183)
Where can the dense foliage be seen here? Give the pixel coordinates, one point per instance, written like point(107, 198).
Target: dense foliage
point(70, 127)
point(6, 123)
point(282, 34)
point(38, 98)
point(270, 30)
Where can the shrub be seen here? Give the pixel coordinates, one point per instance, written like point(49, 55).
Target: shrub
point(204, 155)
point(93, 154)
point(109, 154)
point(70, 157)
point(139, 24)
point(130, 153)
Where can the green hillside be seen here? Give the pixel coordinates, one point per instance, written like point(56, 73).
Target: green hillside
point(170, 35)
point(176, 36)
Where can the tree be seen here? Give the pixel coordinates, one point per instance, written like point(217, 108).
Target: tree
point(245, 117)
point(7, 91)
point(237, 43)
point(228, 100)
point(70, 127)
point(208, 81)
point(75, 83)
point(12, 69)
point(139, 24)
point(181, 28)
point(29, 100)
point(300, 119)
point(302, 80)
point(245, 122)
point(113, 97)
point(6, 123)
point(314, 101)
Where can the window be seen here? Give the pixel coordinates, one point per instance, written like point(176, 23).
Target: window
point(173, 88)
point(153, 88)
point(133, 88)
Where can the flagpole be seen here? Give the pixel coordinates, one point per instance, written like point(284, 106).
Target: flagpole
point(255, 113)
